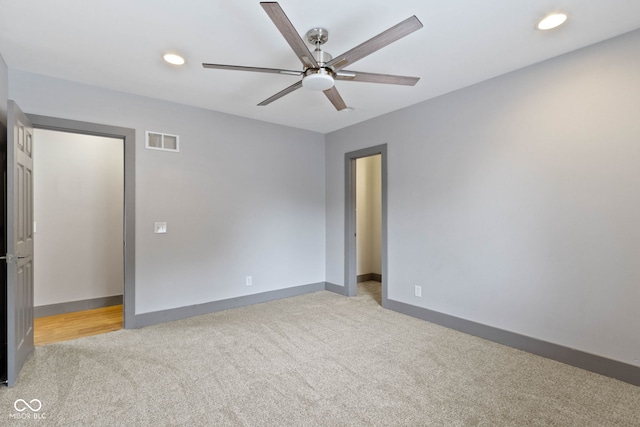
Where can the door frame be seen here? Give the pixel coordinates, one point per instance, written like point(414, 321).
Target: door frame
point(129, 225)
point(4, 363)
point(350, 258)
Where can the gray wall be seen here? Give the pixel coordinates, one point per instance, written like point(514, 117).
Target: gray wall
point(78, 203)
point(242, 197)
point(515, 202)
point(4, 90)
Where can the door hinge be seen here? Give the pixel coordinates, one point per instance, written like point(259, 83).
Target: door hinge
point(9, 258)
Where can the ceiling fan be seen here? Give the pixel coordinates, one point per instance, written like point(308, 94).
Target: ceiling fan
point(320, 69)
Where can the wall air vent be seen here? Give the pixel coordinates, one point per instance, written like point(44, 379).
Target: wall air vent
point(162, 141)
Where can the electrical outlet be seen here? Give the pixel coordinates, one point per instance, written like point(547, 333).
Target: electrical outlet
point(159, 227)
point(419, 291)
point(249, 281)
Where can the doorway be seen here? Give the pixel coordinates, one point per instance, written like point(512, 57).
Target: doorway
point(369, 227)
point(378, 154)
point(127, 243)
point(78, 209)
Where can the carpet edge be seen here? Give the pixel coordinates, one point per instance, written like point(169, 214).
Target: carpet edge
point(601, 365)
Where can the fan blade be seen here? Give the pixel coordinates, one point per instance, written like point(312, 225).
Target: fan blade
point(256, 69)
point(383, 39)
point(335, 98)
point(282, 93)
point(357, 76)
point(290, 34)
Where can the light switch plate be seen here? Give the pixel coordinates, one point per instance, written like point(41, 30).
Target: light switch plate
point(159, 227)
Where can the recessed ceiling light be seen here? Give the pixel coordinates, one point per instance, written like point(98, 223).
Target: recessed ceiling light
point(174, 59)
point(346, 109)
point(552, 21)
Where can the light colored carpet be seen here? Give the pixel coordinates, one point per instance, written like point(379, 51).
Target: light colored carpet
point(318, 360)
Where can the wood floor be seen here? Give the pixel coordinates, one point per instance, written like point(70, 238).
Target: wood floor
point(69, 326)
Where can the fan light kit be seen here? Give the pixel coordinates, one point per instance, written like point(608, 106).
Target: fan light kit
point(317, 79)
point(321, 70)
point(552, 21)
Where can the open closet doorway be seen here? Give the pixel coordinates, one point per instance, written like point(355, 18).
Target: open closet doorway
point(78, 219)
point(369, 226)
point(366, 237)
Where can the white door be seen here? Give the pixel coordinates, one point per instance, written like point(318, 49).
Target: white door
point(19, 257)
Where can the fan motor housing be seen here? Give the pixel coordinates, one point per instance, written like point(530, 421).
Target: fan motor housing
point(321, 56)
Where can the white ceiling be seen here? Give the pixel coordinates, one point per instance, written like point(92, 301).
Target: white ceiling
point(118, 44)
